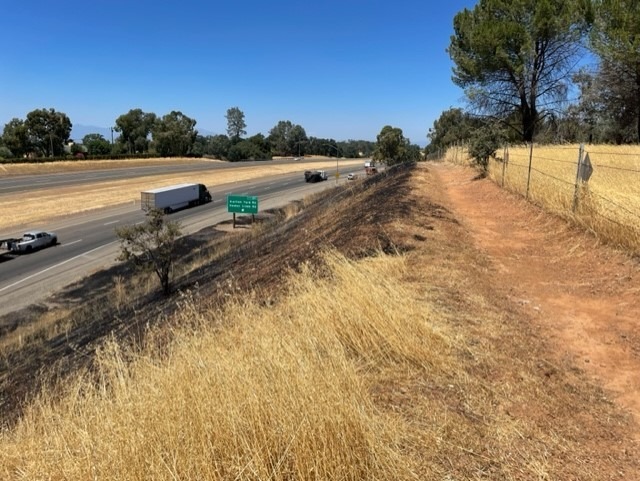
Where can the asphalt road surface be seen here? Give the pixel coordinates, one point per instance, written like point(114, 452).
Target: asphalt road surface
point(26, 183)
point(88, 241)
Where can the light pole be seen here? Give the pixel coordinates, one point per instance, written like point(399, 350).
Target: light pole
point(111, 135)
point(337, 166)
point(301, 142)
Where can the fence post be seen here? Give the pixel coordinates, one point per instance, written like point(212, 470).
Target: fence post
point(576, 192)
point(529, 174)
point(505, 159)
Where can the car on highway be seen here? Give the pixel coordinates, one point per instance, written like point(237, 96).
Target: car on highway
point(31, 241)
point(351, 176)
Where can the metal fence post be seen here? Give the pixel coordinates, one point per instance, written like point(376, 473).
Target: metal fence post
point(505, 159)
point(529, 174)
point(576, 192)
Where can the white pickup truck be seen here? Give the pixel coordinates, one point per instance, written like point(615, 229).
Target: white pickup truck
point(30, 241)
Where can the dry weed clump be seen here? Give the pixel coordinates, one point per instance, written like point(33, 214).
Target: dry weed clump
point(49, 324)
point(277, 393)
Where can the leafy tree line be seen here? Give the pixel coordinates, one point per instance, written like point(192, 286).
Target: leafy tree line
point(45, 133)
point(517, 63)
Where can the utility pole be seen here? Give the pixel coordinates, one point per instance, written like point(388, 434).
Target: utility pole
point(337, 157)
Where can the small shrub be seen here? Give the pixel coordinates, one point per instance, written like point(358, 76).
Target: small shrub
point(484, 144)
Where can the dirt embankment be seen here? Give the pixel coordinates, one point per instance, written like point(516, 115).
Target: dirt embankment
point(584, 296)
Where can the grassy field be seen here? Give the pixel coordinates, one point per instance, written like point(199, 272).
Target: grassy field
point(377, 354)
point(608, 205)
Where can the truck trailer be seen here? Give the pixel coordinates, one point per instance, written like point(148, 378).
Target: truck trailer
point(175, 197)
point(315, 176)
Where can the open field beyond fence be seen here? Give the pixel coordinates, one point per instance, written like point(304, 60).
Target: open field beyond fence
point(608, 204)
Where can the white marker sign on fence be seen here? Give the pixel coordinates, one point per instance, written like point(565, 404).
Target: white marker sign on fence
point(586, 169)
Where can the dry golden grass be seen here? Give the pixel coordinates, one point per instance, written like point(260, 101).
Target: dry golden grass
point(609, 205)
point(251, 392)
point(45, 204)
point(84, 165)
point(50, 324)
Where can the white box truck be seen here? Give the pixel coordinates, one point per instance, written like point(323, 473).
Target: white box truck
point(175, 197)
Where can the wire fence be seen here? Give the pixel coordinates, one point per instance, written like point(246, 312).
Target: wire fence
point(596, 186)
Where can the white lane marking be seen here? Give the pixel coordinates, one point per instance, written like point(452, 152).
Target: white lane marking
point(55, 266)
point(112, 222)
point(71, 243)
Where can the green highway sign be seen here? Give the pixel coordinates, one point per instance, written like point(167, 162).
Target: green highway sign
point(242, 204)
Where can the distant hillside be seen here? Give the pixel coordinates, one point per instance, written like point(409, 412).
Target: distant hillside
point(79, 131)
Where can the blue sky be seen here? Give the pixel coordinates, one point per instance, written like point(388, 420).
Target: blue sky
point(341, 69)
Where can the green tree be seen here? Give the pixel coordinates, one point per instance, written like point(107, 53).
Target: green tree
point(263, 144)
point(246, 150)
point(199, 147)
point(285, 138)
point(5, 153)
point(616, 40)
point(600, 115)
point(453, 125)
point(297, 141)
point(516, 56)
point(96, 144)
point(278, 136)
point(235, 124)
point(48, 131)
point(356, 148)
point(16, 137)
point(391, 146)
point(174, 134)
point(78, 151)
point(151, 246)
point(218, 146)
point(134, 128)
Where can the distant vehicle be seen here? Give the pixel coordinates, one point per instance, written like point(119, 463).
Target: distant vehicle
point(370, 167)
point(30, 241)
point(297, 158)
point(315, 176)
point(175, 197)
point(351, 176)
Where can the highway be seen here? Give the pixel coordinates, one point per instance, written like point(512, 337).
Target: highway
point(88, 241)
point(25, 183)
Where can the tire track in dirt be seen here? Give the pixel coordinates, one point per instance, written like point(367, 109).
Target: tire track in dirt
point(585, 295)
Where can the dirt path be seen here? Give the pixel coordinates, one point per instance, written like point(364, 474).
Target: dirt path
point(585, 295)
